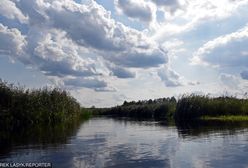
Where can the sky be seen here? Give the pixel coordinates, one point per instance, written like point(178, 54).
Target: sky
point(107, 51)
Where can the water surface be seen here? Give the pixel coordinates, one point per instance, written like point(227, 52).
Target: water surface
point(106, 142)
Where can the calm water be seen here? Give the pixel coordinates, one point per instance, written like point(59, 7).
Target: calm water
point(104, 142)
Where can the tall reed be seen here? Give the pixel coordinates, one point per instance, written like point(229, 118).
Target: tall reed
point(20, 106)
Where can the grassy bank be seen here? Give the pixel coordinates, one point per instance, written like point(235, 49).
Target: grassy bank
point(20, 106)
point(196, 107)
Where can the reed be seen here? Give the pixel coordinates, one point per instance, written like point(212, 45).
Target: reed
point(20, 106)
point(195, 106)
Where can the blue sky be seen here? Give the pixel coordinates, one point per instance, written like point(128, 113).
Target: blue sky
point(104, 52)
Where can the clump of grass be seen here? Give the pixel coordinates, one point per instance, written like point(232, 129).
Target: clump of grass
point(20, 106)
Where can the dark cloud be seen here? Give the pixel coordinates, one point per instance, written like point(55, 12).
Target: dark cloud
point(244, 75)
point(86, 82)
point(98, 85)
point(140, 10)
point(140, 59)
point(121, 72)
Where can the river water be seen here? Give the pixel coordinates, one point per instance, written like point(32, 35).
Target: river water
point(106, 142)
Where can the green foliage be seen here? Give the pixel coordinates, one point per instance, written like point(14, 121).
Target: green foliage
point(86, 113)
point(195, 106)
point(20, 106)
point(187, 108)
point(151, 109)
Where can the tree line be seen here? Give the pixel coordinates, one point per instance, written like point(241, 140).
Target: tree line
point(187, 107)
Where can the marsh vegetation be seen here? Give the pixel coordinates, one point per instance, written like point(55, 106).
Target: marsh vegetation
point(186, 108)
point(22, 107)
point(195, 107)
point(158, 109)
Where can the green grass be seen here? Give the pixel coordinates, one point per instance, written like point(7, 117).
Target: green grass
point(225, 118)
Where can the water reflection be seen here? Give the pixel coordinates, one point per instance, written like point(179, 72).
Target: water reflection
point(106, 142)
point(39, 136)
point(196, 129)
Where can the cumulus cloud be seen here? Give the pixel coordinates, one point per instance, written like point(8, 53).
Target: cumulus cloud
point(141, 10)
point(194, 13)
point(9, 10)
point(228, 50)
point(169, 77)
point(12, 42)
point(64, 40)
point(56, 55)
point(121, 72)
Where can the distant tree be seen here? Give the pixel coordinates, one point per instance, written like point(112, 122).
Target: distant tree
point(125, 103)
point(150, 101)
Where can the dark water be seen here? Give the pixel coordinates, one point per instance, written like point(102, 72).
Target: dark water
point(104, 142)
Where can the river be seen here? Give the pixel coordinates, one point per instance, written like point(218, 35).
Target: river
point(123, 143)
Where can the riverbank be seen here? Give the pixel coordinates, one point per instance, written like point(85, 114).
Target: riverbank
point(195, 107)
point(20, 107)
point(187, 108)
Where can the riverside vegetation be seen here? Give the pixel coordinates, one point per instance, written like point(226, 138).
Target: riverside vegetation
point(187, 108)
point(21, 107)
point(163, 108)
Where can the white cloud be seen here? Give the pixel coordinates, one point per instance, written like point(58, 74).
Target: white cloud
point(170, 77)
point(12, 41)
point(169, 5)
point(64, 40)
point(9, 10)
point(233, 84)
point(174, 47)
point(194, 13)
point(229, 80)
point(227, 53)
point(227, 50)
point(56, 55)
